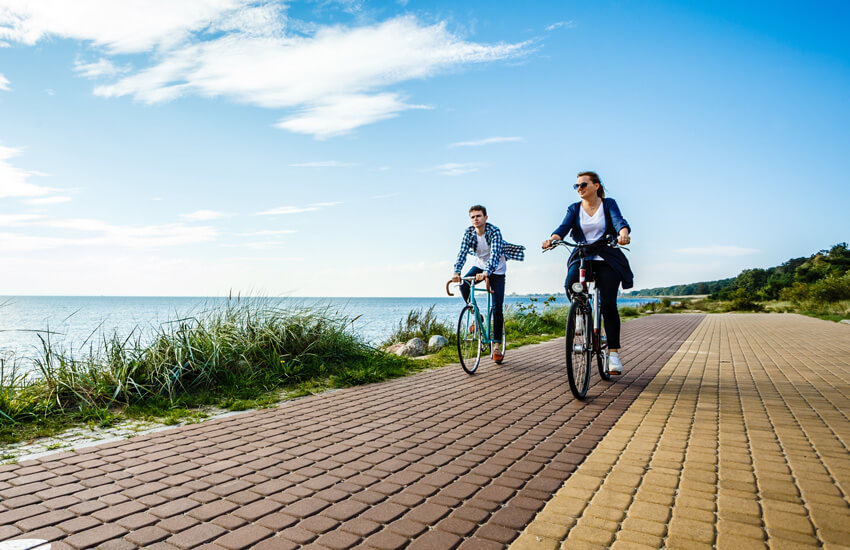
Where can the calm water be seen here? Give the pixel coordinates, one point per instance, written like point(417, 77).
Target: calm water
point(71, 320)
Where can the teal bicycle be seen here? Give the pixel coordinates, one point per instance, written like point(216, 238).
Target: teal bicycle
point(473, 337)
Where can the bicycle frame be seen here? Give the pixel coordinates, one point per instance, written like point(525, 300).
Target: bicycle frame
point(474, 303)
point(590, 295)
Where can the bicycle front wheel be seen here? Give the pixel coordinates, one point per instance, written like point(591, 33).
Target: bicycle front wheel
point(468, 340)
point(579, 349)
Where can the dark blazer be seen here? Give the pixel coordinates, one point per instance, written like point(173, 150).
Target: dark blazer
point(614, 222)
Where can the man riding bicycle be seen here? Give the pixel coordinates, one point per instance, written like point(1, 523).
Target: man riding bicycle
point(484, 241)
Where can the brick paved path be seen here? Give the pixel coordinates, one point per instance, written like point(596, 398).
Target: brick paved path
point(435, 460)
point(741, 441)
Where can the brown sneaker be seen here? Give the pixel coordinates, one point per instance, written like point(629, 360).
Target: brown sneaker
point(498, 357)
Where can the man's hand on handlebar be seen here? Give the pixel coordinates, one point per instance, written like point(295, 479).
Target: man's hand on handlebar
point(480, 277)
point(456, 278)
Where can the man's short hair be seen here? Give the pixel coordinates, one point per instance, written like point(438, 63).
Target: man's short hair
point(479, 208)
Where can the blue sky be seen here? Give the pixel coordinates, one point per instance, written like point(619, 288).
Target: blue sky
point(189, 147)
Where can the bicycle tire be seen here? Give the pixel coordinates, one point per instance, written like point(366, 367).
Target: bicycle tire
point(600, 364)
point(578, 351)
point(504, 340)
point(468, 344)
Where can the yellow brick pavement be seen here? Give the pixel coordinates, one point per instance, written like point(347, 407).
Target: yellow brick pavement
point(742, 440)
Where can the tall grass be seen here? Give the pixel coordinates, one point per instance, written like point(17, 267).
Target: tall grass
point(239, 350)
point(420, 323)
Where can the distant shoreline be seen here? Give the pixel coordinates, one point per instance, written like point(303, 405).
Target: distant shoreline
point(680, 297)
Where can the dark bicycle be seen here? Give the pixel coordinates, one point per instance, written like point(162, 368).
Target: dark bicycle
point(584, 322)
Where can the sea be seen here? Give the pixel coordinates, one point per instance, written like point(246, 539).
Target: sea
point(73, 322)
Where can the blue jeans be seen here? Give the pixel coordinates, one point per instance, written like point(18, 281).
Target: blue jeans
point(497, 285)
point(608, 282)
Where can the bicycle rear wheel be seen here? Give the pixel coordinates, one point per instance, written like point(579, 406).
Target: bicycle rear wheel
point(602, 357)
point(468, 340)
point(504, 341)
point(600, 364)
point(579, 349)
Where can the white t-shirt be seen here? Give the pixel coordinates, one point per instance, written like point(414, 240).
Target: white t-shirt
point(593, 226)
point(482, 256)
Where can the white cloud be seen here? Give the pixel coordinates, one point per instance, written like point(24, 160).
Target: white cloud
point(323, 164)
point(4, 82)
point(267, 233)
point(456, 168)
point(99, 68)
point(16, 220)
point(121, 27)
point(486, 141)
point(283, 210)
point(204, 215)
point(334, 78)
point(339, 115)
point(105, 233)
point(718, 251)
point(123, 236)
point(286, 210)
point(561, 24)
point(13, 180)
point(258, 245)
point(48, 200)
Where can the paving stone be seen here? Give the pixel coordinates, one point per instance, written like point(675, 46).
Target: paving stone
point(244, 537)
point(146, 536)
point(95, 536)
point(386, 540)
point(197, 535)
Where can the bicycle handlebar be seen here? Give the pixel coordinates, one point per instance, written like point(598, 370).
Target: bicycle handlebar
point(610, 241)
point(470, 281)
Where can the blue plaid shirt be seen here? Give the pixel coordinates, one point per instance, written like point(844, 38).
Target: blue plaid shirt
point(498, 247)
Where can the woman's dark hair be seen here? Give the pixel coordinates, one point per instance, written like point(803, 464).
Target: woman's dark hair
point(594, 177)
point(479, 208)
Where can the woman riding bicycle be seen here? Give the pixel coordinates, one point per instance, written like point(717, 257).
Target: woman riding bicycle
point(593, 218)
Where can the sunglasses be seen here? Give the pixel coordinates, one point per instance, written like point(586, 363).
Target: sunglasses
point(581, 185)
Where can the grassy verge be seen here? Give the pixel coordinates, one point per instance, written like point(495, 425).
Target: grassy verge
point(830, 311)
point(246, 354)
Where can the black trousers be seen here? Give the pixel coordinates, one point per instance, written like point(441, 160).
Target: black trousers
point(608, 282)
point(497, 285)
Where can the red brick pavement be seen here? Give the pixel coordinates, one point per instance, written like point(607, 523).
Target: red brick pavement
point(436, 460)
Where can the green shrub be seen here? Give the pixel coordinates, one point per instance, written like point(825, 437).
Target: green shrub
point(743, 300)
point(831, 288)
point(629, 311)
point(420, 324)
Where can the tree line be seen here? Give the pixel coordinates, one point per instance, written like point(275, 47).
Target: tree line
point(822, 277)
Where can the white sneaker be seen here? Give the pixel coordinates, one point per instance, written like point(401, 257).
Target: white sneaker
point(615, 366)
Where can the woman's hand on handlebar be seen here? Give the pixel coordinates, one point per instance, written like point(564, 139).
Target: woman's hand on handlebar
point(548, 242)
point(624, 237)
